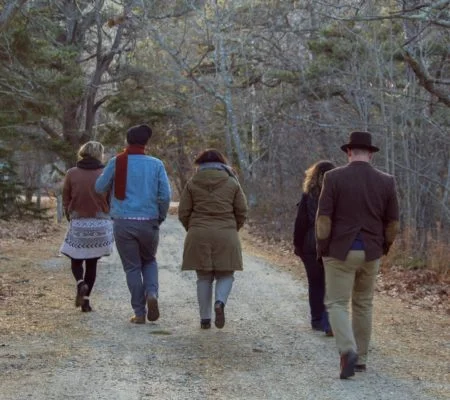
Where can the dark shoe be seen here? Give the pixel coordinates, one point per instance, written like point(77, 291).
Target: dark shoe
point(220, 314)
point(82, 290)
point(316, 325)
point(86, 307)
point(137, 320)
point(326, 324)
point(348, 362)
point(329, 332)
point(152, 308)
point(360, 368)
point(205, 323)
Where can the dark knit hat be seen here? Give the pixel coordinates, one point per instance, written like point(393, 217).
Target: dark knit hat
point(139, 134)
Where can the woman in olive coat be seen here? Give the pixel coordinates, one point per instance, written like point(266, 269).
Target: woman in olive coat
point(212, 209)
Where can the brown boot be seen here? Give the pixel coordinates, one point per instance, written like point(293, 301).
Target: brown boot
point(137, 319)
point(82, 290)
point(220, 314)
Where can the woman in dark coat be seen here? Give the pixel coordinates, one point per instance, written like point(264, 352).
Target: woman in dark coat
point(305, 244)
point(212, 209)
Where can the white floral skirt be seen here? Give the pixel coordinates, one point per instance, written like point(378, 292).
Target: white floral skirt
point(88, 238)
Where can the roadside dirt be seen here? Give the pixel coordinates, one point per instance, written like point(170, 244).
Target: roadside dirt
point(50, 350)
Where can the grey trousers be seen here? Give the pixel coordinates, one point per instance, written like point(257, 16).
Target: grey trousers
point(137, 243)
point(205, 279)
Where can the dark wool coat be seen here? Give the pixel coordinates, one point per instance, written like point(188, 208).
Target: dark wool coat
point(356, 198)
point(304, 229)
point(212, 209)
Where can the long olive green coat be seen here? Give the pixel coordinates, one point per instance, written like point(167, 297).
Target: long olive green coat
point(212, 209)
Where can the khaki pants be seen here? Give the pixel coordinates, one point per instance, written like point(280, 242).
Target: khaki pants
point(352, 279)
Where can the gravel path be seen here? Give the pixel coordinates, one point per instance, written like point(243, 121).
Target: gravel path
point(265, 351)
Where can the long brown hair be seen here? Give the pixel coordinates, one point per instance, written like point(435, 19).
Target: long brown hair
point(210, 155)
point(314, 176)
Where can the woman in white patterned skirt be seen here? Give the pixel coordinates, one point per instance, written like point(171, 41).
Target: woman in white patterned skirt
point(90, 234)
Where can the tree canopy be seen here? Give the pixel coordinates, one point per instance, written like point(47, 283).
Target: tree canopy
point(276, 84)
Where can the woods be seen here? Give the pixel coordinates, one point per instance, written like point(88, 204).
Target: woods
point(276, 85)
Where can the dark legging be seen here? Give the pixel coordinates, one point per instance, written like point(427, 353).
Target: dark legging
point(87, 275)
point(316, 286)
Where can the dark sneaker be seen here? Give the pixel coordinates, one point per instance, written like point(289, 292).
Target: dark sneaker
point(348, 362)
point(152, 308)
point(82, 290)
point(220, 314)
point(205, 323)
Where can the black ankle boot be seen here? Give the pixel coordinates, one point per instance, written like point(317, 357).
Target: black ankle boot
point(86, 307)
point(82, 290)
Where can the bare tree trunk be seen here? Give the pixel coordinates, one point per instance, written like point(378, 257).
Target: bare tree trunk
point(59, 208)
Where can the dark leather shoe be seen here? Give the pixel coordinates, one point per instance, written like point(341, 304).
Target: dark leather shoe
point(152, 308)
point(348, 362)
point(205, 323)
point(220, 314)
point(360, 368)
point(316, 326)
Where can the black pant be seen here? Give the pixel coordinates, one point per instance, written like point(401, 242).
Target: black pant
point(316, 287)
point(88, 274)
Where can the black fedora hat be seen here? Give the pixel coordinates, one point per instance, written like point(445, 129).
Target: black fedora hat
point(360, 140)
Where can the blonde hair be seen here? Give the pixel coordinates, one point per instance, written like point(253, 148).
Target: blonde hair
point(314, 176)
point(91, 149)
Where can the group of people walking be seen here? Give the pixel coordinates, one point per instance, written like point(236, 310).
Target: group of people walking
point(128, 200)
point(347, 218)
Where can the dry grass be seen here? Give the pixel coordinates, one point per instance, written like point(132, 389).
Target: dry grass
point(35, 297)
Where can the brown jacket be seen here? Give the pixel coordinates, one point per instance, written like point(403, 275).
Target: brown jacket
point(79, 197)
point(356, 198)
point(212, 209)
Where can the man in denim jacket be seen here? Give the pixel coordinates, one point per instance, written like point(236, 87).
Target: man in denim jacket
point(140, 198)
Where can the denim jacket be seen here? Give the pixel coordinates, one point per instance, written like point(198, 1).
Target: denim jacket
point(147, 192)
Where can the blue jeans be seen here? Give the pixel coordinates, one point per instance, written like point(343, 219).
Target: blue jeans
point(137, 242)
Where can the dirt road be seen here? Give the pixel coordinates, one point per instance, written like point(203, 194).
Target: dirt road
point(265, 351)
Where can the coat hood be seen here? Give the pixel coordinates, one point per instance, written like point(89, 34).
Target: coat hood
point(210, 179)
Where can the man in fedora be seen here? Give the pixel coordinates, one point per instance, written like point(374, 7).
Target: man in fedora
point(140, 198)
point(356, 223)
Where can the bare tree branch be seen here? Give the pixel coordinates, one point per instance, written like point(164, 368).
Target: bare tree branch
point(49, 130)
point(425, 80)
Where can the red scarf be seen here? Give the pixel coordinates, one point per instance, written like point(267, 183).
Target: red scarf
point(120, 178)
